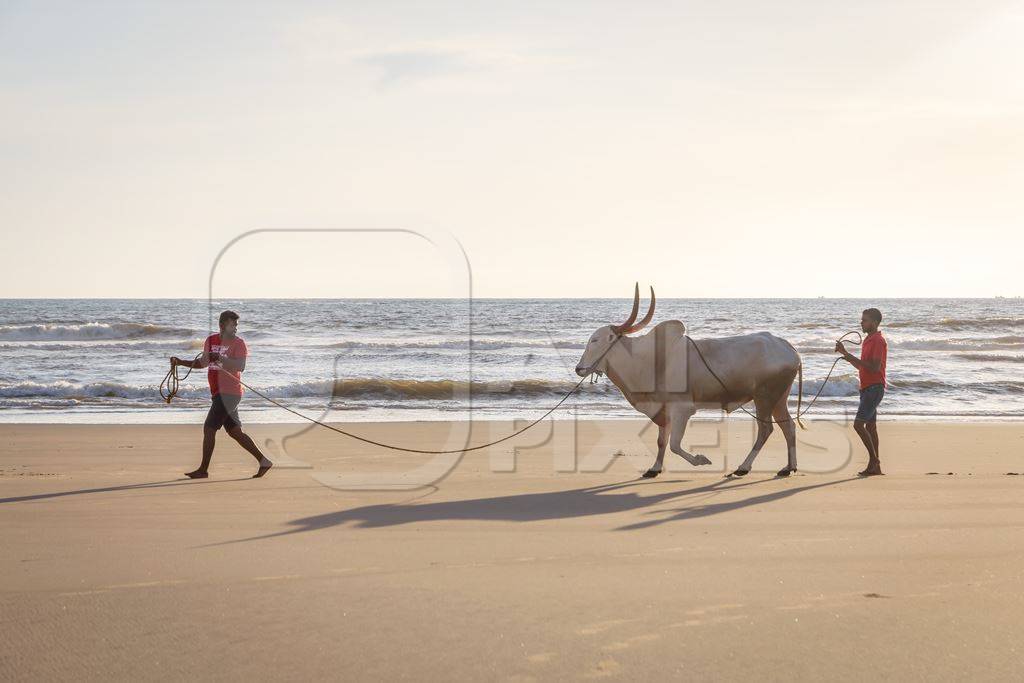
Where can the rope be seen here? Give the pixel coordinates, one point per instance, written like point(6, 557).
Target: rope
point(171, 381)
point(799, 413)
point(418, 450)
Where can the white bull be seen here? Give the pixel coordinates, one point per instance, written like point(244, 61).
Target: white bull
point(663, 376)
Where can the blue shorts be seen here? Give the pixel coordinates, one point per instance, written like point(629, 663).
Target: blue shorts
point(223, 412)
point(870, 397)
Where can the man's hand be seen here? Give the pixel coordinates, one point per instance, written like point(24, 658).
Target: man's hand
point(175, 361)
point(840, 349)
point(214, 356)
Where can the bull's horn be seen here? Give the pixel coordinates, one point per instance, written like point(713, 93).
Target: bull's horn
point(624, 327)
point(647, 318)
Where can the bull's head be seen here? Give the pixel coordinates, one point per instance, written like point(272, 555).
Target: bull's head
point(604, 338)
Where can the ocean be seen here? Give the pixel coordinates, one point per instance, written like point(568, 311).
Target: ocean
point(101, 360)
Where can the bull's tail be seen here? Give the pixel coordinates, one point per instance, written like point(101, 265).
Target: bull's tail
point(800, 393)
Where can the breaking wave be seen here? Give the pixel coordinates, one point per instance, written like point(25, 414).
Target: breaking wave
point(935, 324)
point(979, 343)
point(398, 391)
point(91, 331)
point(1001, 343)
point(849, 385)
point(960, 324)
point(363, 388)
point(450, 389)
point(476, 344)
point(989, 357)
point(843, 385)
point(122, 345)
point(88, 390)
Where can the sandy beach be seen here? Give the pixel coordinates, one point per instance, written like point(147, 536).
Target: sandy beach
point(507, 568)
point(441, 224)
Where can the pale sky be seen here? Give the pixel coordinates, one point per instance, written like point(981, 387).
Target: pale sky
point(707, 148)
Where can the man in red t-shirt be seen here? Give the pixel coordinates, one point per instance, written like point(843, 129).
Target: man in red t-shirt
point(871, 368)
point(224, 354)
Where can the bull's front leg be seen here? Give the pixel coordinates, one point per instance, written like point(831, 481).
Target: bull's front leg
point(679, 416)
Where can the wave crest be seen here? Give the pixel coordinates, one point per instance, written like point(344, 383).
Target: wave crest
point(90, 331)
point(446, 388)
point(475, 344)
point(367, 388)
point(989, 357)
point(960, 324)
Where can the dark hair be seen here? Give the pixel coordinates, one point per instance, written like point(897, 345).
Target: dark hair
point(226, 316)
point(872, 313)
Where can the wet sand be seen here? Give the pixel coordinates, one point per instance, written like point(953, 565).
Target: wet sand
point(553, 563)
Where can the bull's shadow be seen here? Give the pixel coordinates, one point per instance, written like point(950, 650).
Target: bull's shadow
point(711, 509)
point(532, 507)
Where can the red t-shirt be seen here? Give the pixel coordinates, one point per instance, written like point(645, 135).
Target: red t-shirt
point(223, 381)
point(874, 348)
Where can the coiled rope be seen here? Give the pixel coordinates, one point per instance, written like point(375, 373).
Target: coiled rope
point(170, 383)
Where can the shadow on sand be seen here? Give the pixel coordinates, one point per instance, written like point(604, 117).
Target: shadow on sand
point(533, 507)
point(123, 487)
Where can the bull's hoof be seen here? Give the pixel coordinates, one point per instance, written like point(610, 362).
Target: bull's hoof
point(651, 473)
point(785, 472)
point(740, 473)
point(701, 459)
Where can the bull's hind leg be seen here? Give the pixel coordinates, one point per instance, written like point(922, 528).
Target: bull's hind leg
point(679, 415)
point(661, 419)
point(763, 410)
point(788, 425)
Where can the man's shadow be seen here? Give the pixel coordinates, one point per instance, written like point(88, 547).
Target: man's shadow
point(531, 507)
point(123, 487)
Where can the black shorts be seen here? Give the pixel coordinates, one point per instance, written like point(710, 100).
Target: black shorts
point(223, 412)
point(870, 397)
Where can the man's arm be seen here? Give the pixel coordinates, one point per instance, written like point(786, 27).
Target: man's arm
point(235, 363)
point(199, 362)
point(869, 364)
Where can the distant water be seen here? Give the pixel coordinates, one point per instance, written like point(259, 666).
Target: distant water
point(101, 360)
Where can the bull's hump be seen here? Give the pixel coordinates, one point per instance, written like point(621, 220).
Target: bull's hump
point(671, 327)
point(764, 344)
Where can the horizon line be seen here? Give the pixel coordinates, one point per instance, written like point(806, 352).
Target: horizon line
point(499, 298)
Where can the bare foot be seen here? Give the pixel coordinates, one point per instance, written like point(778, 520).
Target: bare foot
point(197, 474)
point(871, 472)
point(264, 466)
